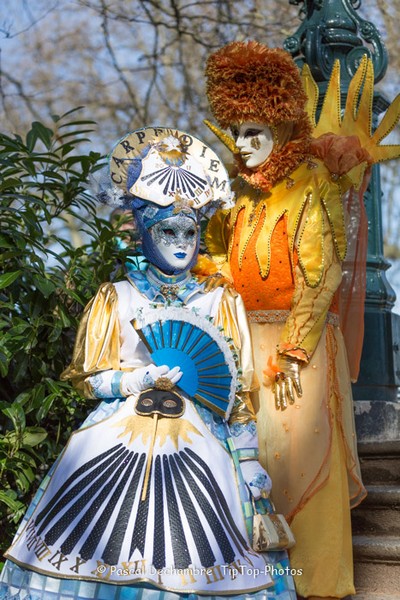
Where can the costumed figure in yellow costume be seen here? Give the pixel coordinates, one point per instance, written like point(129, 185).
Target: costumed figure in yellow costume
point(294, 247)
point(152, 497)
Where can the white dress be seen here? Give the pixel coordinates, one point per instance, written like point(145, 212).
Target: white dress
point(140, 504)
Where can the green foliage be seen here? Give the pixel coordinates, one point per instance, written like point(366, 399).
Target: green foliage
point(44, 284)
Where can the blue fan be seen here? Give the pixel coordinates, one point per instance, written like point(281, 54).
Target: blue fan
point(203, 355)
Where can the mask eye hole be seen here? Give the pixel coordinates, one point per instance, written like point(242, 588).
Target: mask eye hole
point(252, 132)
point(169, 403)
point(147, 402)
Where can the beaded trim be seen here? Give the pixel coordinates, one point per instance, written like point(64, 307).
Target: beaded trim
point(280, 316)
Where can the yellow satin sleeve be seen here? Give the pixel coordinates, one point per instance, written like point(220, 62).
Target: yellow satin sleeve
point(97, 344)
point(243, 410)
point(232, 317)
point(310, 305)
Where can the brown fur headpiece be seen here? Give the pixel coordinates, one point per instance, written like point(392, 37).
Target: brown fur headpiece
point(247, 81)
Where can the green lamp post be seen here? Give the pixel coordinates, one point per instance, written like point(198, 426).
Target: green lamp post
point(332, 30)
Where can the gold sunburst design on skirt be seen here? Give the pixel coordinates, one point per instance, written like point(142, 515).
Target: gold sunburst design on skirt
point(137, 425)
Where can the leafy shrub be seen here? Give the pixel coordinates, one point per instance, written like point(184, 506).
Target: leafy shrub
point(44, 283)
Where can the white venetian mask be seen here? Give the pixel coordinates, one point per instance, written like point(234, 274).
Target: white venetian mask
point(255, 142)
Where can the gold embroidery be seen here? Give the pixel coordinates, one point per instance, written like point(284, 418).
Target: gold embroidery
point(313, 190)
point(136, 426)
point(280, 316)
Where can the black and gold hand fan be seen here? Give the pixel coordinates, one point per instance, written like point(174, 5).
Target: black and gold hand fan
point(175, 337)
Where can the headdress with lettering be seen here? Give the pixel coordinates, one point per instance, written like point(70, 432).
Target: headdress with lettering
point(160, 172)
point(167, 169)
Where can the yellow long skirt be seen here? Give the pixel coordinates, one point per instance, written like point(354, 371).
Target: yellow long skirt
point(310, 453)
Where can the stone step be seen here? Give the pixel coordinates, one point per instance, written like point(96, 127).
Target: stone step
point(379, 513)
point(376, 582)
point(380, 463)
point(380, 470)
point(377, 567)
point(376, 524)
point(376, 548)
point(376, 596)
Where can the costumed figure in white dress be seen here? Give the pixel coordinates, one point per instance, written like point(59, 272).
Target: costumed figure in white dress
point(154, 495)
point(294, 247)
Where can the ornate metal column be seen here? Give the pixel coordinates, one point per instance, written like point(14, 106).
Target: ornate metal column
point(332, 30)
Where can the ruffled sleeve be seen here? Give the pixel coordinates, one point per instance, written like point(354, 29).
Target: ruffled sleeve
point(97, 345)
point(232, 318)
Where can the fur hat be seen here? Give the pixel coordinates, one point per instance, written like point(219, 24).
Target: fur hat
point(247, 81)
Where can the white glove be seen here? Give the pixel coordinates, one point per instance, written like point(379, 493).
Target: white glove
point(245, 440)
point(143, 378)
point(256, 478)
